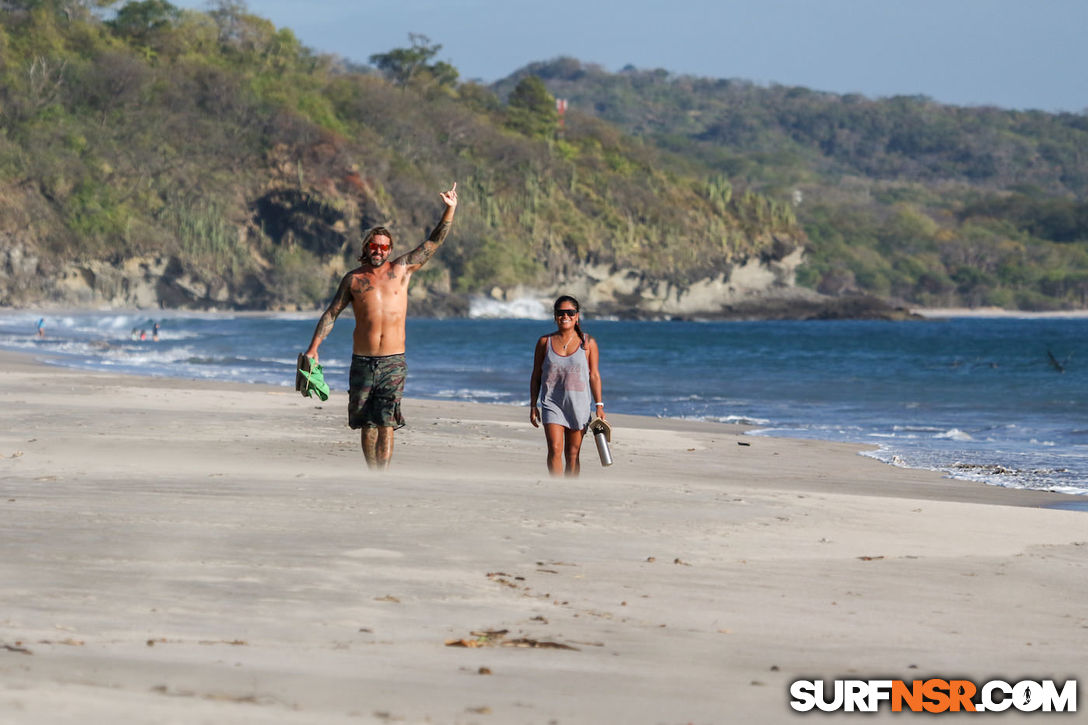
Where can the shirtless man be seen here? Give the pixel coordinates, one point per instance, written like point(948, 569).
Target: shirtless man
point(377, 291)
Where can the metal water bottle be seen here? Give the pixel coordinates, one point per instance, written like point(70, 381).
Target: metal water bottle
point(602, 431)
point(602, 447)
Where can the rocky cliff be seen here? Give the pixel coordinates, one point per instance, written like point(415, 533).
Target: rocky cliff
point(757, 288)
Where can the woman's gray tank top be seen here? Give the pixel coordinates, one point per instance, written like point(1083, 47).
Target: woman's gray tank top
point(565, 398)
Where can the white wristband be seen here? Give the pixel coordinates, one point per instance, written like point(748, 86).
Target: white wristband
point(600, 405)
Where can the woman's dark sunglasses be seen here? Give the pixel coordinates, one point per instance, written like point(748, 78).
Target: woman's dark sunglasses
point(566, 313)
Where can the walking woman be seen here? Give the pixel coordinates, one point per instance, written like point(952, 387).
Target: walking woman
point(567, 383)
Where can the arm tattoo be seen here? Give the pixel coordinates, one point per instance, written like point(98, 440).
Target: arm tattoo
point(339, 302)
point(324, 326)
point(425, 251)
point(439, 234)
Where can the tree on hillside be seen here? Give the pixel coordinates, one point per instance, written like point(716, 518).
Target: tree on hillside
point(532, 109)
point(405, 66)
point(139, 21)
point(71, 9)
point(228, 15)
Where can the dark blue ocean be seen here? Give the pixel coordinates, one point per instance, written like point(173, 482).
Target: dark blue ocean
point(979, 399)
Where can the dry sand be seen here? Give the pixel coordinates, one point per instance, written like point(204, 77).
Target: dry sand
point(181, 552)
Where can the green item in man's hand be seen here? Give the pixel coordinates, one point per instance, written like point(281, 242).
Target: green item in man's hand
point(310, 379)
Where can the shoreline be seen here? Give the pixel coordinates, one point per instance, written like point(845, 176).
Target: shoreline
point(50, 359)
point(26, 364)
point(936, 313)
point(927, 313)
point(180, 551)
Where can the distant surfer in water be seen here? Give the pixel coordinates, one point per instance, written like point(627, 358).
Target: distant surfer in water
point(41, 327)
point(567, 383)
point(377, 291)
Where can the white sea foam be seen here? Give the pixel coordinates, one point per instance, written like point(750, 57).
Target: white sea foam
point(739, 419)
point(885, 455)
point(1024, 476)
point(730, 419)
point(151, 354)
point(785, 432)
point(528, 308)
point(471, 394)
point(304, 315)
point(955, 434)
point(1073, 490)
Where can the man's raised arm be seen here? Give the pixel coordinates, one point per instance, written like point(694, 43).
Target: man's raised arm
point(425, 251)
point(328, 317)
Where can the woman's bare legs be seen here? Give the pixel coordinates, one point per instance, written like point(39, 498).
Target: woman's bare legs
point(553, 432)
point(573, 449)
point(563, 443)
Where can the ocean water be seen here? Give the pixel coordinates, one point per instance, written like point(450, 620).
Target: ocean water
point(979, 399)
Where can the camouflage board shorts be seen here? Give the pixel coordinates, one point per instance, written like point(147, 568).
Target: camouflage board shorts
point(376, 385)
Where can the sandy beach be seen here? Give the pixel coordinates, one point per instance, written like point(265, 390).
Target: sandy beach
point(997, 312)
point(184, 552)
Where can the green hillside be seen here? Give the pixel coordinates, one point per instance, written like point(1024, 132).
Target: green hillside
point(900, 197)
point(216, 147)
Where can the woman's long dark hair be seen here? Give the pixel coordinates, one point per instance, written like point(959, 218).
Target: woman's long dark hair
point(577, 308)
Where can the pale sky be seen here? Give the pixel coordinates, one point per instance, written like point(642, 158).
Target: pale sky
point(1008, 53)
